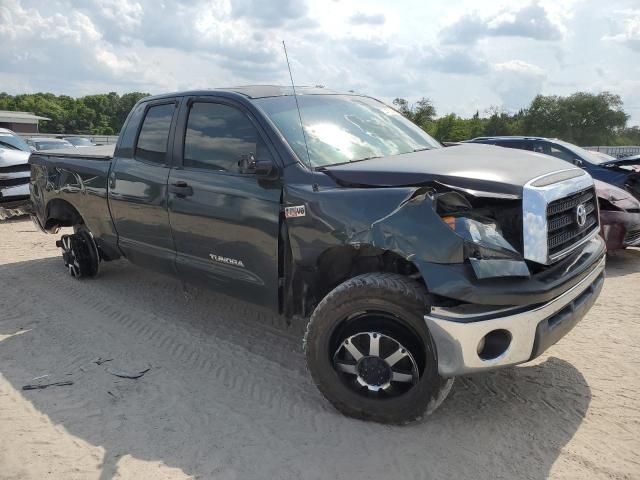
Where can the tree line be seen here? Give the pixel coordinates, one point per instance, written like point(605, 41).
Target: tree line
point(101, 114)
point(582, 118)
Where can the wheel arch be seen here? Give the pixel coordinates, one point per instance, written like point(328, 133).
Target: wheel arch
point(60, 213)
point(338, 264)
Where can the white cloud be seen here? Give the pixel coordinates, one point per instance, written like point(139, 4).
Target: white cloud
point(455, 61)
point(630, 34)
point(360, 18)
point(531, 21)
point(517, 82)
point(446, 50)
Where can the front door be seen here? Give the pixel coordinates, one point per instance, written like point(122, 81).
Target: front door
point(225, 223)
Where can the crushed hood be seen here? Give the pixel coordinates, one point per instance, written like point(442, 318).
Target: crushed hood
point(623, 162)
point(475, 167)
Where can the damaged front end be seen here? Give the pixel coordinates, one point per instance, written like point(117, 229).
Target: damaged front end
point(619, 217)
point(507, 274)
point(454, 227)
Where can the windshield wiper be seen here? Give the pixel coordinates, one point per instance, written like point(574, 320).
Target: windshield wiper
point(421, 149)
point(366, 158)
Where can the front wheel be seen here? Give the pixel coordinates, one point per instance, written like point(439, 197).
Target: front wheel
point(370, 353)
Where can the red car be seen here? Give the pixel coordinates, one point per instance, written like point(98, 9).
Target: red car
point(619, 216)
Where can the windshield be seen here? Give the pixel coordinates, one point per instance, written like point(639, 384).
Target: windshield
point(52, 145)
point(13, 142)
point(79, 141)
point(344, 128)
point(586, 155)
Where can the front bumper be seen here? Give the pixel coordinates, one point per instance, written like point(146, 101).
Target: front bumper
point(459, 332)
point(15, 191)
point(14, 201)
point(459, 282)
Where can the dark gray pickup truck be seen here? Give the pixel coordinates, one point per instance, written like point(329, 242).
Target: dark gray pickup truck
point(412, 263)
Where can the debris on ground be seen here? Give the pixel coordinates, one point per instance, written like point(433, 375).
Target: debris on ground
point(39, 386)
point(100, 360)
point(123, 374)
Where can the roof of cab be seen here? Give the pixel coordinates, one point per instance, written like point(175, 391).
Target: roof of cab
point(255, 91)
point(509, 137)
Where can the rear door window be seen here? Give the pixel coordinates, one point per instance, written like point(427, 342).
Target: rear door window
point(154, 134)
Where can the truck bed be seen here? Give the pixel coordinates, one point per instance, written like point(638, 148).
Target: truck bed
point(73, 179)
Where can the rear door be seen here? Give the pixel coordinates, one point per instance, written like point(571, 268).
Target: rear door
point(225, 223)
point(138, 188)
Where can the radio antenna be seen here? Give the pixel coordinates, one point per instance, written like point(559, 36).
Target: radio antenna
point(295, 96)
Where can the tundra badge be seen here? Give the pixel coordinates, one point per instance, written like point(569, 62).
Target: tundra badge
point(227, 260)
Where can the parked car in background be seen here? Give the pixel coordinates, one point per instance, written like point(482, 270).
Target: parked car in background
point(619, 216)
point(79, 142)
point(622, 173)
point(14, 174)
point(635, 158)
point(605, 157)
point(44, 143)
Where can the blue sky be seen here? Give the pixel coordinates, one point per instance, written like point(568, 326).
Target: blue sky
point(465, 55)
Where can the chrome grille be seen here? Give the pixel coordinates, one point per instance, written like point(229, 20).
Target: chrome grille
point(550, 227)
point(563, 229)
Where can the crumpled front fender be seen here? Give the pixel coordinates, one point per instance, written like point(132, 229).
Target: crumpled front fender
point(401, 220)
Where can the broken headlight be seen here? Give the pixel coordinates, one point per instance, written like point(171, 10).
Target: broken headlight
point(486, 248)
point(483, 238)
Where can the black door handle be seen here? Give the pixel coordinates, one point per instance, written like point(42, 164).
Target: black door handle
point(181, 189)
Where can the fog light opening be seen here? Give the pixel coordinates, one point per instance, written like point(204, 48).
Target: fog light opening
point(494, 344)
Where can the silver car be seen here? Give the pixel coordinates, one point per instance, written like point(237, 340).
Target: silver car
point(46, 143)
point(14, 174)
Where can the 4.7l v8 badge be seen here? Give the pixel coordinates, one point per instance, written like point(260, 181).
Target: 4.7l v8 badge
point(297, 211)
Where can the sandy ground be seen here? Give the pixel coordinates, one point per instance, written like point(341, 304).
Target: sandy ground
point(227, 396)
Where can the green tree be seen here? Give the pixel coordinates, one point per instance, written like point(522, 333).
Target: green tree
point(101, 114)
point(582, 118)
point(421, 113)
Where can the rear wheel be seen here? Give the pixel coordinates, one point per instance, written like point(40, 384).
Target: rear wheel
point(80, 253)
point(370, 353)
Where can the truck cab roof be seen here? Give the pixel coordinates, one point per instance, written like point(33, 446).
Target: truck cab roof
point(508, 137)
point(255, 91)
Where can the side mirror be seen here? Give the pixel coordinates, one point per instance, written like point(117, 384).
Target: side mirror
point(264, 169)
point(577, 162)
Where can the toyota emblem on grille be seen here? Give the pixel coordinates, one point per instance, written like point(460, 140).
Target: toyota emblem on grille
point(581, 215)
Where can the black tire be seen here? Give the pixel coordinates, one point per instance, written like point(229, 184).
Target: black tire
point(80, 253)
point(400, 304)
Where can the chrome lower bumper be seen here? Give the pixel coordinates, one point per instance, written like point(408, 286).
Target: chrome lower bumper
point(459, 332)
point(6, 193)
point(14, 201)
